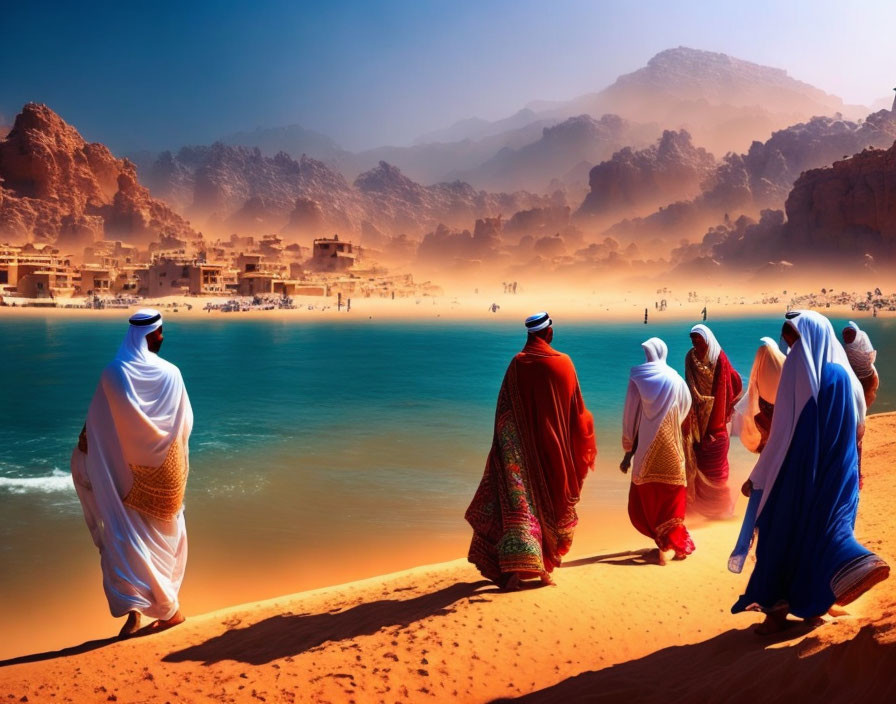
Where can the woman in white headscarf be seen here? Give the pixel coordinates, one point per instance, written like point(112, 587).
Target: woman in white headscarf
point(715, 387)
point(130, 471)
point(804, 488)
point(656, 404)
point(753, 413)
point(862, 356)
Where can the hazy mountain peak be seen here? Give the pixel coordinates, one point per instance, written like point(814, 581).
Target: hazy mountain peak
point(694, 74)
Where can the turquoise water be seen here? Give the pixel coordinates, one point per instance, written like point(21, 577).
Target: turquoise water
point(318, 446)
point(391, 406)
point(315, 390)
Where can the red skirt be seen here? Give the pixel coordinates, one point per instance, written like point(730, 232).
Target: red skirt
point(657, 511)
point(710, 494)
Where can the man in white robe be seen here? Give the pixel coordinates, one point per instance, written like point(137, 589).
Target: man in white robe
point(130, 471)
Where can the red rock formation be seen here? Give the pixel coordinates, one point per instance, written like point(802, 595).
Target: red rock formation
point(763, 177)
point(849, 207)
point(56, 187)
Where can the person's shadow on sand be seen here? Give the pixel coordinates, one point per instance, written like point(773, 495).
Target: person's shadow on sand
point(736, 666)
point(291, 634)
point(85, 647)
point(628, 557)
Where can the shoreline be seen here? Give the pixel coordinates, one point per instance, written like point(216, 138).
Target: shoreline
point(439, 632)
point(512, 309)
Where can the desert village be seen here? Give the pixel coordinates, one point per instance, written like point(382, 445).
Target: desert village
point(238, 272)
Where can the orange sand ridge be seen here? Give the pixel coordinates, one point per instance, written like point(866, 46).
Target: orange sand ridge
point(440, 633)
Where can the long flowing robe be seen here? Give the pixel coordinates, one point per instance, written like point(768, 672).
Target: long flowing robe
point(523, 514)
point(131, 481)
point(656, 403)
point(715, 388)
point(805, 486)
point(753, 413)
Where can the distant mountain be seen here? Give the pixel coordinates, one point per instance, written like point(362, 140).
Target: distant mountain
point(560, 149)
point(847, 208)
point(764, 176)
point(637, 182)
point(57, 188)
point(292, 139)
point(723, 102)
point(475, 128)
point(239, 189)
point(840, 216)
point(441, 161)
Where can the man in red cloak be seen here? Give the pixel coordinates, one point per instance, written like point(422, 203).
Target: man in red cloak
point(523, 514)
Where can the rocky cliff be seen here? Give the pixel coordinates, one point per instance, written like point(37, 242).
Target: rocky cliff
point(55, 187)
point(848, 208)
point(763, 177)
point(843, 214)
point(633, 182)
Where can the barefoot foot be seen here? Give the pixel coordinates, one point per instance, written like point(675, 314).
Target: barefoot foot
point(657, 557)
point(131, 626)
point(163, 625)
point(512, 584)
point(547, 580)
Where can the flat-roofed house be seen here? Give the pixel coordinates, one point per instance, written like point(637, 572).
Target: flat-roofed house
point(207, 279)
point(168, 277)
point(332, 255)
point(256, 283)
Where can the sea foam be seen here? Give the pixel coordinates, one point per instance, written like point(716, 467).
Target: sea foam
point(55, 482)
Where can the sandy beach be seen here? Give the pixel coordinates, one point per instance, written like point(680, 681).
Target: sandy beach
point(613, 306)
point(441, 633)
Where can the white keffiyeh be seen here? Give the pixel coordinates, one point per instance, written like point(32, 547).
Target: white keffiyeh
point(139, 409)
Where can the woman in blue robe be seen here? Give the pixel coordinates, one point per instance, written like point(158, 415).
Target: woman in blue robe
point(804, 490)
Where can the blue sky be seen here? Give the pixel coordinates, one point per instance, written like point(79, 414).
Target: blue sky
point(163, 74)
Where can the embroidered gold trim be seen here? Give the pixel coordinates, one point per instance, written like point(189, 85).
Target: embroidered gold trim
point(664, 461)
point(666, 526)
point(699, 378)
point(159, 491)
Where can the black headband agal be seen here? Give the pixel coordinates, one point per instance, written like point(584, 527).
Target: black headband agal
point(142, 322)
point(537, 321)
point(790, 315)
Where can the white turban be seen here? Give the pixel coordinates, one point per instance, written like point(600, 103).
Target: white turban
point(861, 352)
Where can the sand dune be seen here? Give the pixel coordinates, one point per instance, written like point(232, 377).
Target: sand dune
point(615, 628)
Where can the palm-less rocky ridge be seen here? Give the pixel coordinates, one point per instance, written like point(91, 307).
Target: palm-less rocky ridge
point(55, 187)
point(239, 188)
point(761, 178)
